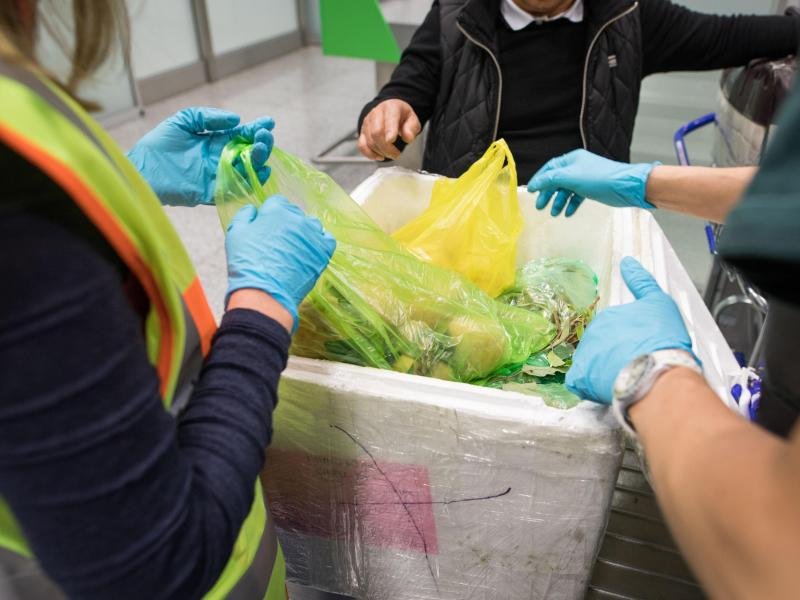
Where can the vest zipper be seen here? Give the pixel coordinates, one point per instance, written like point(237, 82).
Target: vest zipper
point(499, 76)
point(586, 66)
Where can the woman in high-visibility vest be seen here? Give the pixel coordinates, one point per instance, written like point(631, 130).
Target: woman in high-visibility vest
point(132, 429)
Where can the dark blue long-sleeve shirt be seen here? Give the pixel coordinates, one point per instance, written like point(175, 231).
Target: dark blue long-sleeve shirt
point(117, 498)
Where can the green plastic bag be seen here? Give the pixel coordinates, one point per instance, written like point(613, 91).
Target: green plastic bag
point(377, 304)
point(564, 292)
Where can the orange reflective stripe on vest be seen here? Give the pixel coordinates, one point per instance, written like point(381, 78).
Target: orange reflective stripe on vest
point(109, 227)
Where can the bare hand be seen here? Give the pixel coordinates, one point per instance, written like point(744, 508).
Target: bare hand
point(383, 125)
point(261, 302)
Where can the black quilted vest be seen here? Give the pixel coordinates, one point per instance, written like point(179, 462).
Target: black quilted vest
point(466, 118)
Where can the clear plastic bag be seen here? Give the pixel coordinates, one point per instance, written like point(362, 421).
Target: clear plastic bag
point(473, 223)
point(377, 304)
point(565, 293)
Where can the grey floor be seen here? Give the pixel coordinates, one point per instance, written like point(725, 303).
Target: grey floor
point(315, 100)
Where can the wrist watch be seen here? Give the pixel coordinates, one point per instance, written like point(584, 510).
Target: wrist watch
point(636, 380)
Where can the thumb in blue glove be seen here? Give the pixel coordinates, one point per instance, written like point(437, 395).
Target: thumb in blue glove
point(277, 249)
point(179, 158)
point(569, 179)
point(620, 334)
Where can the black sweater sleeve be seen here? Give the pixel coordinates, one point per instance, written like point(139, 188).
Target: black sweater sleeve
point(117, 498)
point(678, 39)
point(416, 78)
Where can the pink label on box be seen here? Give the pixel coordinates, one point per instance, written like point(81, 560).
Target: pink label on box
point(383, 504)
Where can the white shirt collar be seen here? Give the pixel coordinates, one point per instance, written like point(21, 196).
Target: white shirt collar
point(519, 19)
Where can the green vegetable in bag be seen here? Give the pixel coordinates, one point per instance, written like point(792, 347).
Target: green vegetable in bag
point(565, 293)
point(378, 305)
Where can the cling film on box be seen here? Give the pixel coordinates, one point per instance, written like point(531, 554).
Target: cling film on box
point(378, 304)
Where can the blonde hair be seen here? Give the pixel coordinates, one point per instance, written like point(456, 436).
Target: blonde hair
point(94, 26)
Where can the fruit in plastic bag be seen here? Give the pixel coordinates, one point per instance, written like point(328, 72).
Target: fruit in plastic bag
point(481, 345)
point(473, 223)
point(377, 304)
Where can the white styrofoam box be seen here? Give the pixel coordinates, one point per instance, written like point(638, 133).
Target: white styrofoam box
point(386, 486)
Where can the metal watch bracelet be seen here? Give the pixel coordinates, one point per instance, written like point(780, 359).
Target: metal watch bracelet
point(637, 379)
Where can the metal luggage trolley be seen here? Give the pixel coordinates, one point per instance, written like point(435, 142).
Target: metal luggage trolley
point(750, 97)
point(726, 288)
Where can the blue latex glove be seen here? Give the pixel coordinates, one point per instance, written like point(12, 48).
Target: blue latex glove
point(179, 157)
point(569, 179)
point(620, 334)
point(278, 249)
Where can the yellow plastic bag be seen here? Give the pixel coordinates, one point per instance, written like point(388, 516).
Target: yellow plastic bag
point(473, 223)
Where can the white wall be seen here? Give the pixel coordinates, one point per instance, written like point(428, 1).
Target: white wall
point(238, 23)
point(163, 36)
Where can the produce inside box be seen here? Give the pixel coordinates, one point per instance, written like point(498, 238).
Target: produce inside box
point(440, 297)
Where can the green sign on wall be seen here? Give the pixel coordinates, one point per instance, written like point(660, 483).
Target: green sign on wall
point(357, 29)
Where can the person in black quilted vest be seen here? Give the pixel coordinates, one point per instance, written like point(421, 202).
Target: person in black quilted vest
point(548, 76)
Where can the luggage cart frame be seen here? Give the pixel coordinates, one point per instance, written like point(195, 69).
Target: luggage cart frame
point(716, 296)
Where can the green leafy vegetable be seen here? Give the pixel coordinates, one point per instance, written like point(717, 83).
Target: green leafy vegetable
point(564, 292)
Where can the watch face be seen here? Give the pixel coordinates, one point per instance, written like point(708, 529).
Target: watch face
point(630, 376)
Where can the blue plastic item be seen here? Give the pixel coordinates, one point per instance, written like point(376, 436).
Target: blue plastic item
point(684, 130)
point(746, 392)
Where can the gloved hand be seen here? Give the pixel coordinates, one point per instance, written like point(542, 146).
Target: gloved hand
point(179, 157)
point(623, 333)
point(580, 174)
point(277, 249)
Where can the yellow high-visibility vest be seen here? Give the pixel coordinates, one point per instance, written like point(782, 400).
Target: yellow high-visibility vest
point(51, 131)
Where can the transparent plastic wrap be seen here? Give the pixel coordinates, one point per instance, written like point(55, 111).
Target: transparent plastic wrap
point(377, 304)
point(565, 293)
point(383, 489)
point(750, 98)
